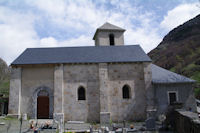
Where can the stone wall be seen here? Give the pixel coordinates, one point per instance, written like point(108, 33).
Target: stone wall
point(58, 89)
point(84, 75)
point(102, 38)
point(87, 75)
point(185, 96)
point(34, 79)
point(186, 122)
point(103, 84)
point(131, 74)
point(15, 92)
point(104, 87)
point(148, 86)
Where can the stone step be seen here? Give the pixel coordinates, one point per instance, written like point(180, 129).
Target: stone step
point(42, 122)
point(74, 126)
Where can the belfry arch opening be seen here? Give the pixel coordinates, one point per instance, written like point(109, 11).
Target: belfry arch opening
point(112, 39)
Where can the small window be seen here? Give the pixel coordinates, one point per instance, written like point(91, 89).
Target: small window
point(126, 92)
point(112, 39)
point(81, 93)
point(172, 97)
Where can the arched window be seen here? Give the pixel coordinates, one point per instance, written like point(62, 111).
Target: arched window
point(126, 92)
point(112, 39)
point(81, 93)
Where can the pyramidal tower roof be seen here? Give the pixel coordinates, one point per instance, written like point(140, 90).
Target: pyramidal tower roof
point(108, 26)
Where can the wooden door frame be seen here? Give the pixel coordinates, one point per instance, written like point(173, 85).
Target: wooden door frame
point(48, 107)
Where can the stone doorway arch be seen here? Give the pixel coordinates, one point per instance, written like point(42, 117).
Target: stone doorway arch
point(42, 91)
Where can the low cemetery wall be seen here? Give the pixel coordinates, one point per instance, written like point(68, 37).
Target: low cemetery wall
point(186, 122)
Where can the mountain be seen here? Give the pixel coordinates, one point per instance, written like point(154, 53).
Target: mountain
point(179, 51)
point(4, 78)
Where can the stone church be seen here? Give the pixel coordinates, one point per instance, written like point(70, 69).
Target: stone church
point(108, 81)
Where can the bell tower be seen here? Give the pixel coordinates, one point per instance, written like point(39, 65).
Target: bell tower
point(109, 35)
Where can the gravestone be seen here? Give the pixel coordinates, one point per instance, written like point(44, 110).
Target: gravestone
point(24, 116)
point(104, 118)
point(150, 123)
point(131, 130)
point(59, 118)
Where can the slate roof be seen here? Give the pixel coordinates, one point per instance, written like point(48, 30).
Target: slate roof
point(161, 75)
point(106, 27)
point(89, 54)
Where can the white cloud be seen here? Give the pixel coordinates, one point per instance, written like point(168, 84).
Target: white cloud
point(48, 42)
point(16, 34)
point(53, 7)
point(179, 15)
point(80, 41)
point(86, 16)
point(145, 38)
point(77, 14)
point(80, 19)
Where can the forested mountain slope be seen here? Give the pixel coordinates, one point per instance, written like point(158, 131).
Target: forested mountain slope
point(179, 51)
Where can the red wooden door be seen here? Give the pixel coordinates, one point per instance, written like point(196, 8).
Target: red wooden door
point(43, 107)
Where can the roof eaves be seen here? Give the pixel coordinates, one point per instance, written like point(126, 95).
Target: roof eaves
point(18, 64)
point(11, 64)
point(182, 82)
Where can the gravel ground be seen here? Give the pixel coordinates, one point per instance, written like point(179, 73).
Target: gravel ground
point(13, 126)
point(69, 127)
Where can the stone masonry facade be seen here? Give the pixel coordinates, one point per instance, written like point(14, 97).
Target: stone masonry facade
point(103, 83)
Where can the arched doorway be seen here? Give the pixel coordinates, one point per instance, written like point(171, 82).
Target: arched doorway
point(43, 105)
point(42, 91)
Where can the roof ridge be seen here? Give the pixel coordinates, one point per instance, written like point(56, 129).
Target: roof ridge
point(108, 25)
point(82, 46)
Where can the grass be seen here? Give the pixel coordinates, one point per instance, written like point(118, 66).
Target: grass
point(4, 88)
point(173, 69)
point(179, 58)
point(10, 118)
point(196, 76)
point(190, 67)
point(197, 92)
point(5, 84)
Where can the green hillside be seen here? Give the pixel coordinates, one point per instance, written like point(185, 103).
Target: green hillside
point(4, 79)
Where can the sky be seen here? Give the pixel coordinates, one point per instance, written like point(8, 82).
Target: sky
point(62, 23)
